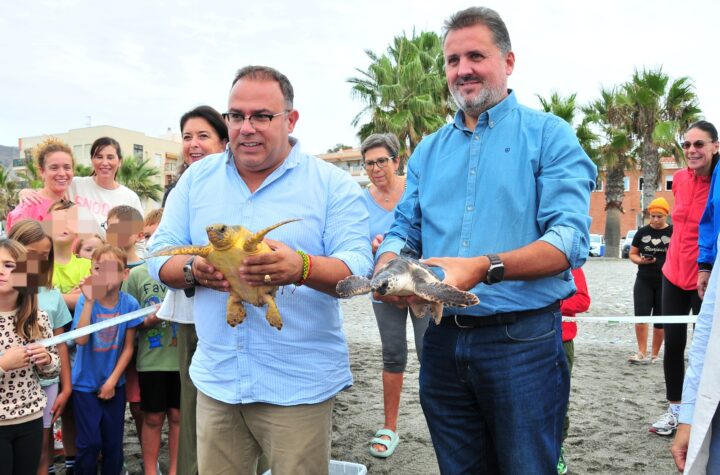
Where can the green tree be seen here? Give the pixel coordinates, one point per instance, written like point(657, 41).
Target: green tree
point(613, 157)
point(338, 148)
point(31, 175)
point(83, 170)
point(404, 91)
point(656, 111)
point(9, 188)
point(139, 176)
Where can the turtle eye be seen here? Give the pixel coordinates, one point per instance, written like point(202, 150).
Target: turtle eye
point(223, 228)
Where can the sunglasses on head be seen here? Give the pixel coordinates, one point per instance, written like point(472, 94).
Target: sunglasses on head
point(698, 144)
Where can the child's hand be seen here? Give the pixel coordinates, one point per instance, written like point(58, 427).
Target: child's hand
point(60, 403)
point(14, 358)
point(38, 354)
point(107, 391)
point(92, 291)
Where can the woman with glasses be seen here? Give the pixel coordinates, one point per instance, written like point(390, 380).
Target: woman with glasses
point(680, 272)
point(96, 194)
point(54, 160)
point(380, 158)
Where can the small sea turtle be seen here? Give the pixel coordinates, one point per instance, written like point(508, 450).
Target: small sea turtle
point(407, 276)
point(229, 245)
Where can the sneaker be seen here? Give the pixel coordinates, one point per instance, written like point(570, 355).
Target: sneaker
point(666, 425)
point(656, 359)
point(562, 466)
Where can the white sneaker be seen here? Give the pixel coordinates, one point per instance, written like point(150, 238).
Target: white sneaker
point(666, 425)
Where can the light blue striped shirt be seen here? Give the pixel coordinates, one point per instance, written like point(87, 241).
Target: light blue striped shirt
point(520, 176)
point(307, 362)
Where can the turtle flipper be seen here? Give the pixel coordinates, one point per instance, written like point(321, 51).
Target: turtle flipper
point(352, 286)
point(434, 309)
point(183, 250)
point(235, 311)
point(273, 314)
point(446, 294)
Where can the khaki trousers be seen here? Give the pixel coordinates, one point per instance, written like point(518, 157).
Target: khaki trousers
point(187, 448)
point(231, 437)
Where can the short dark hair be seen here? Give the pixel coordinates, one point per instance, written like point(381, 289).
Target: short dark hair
point(388, 141)
point(266, 73)
point(480, 16)
point(101, 143)
point(125, 214)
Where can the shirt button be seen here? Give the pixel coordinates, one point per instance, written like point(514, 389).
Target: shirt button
point(477, 138)
point(472, 171)
point(465, 244)
point(470, 208)
point(492, 124)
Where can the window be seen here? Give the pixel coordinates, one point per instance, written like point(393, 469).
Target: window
point(668, 182)
point(138, 151)
point(599, 184)
point(626, 184)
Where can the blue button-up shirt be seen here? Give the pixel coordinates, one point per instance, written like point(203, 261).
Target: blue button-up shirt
point(520, 176)
point(307, 362)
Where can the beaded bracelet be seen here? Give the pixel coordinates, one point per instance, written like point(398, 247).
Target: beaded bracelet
point(307, 267)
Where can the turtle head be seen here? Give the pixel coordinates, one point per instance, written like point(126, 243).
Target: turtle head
point(220, 235)
point(382, 283)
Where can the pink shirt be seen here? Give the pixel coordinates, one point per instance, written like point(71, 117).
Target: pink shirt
point(26, 210)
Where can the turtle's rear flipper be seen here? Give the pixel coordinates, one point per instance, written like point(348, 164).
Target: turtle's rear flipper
point(352, 286)
point(446, 293)
point(273, 314)
point(434, 309)
point(235, 310)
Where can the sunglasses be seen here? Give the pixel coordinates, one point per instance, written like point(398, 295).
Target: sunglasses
point(698, 144)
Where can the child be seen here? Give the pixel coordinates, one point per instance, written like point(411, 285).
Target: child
point(157, 364)
point(68, 272)
point(39, 246)
point(22, 401)
point(69, 269)
point(124, 228)
point(84, 247)
point(98, 373)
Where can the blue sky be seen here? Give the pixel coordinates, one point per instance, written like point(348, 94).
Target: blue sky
point(141, 64)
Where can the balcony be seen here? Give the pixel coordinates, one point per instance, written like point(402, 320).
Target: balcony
point(18, 162)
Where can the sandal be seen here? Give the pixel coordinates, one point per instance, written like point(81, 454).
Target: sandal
point(390, 445)
point(638, 358)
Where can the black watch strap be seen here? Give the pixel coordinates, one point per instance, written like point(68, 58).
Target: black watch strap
point(188, 273)
point(496, 271)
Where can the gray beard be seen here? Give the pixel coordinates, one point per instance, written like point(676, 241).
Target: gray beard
point(484, 100)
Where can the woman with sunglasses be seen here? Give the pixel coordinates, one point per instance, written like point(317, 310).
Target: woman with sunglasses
point(380, 152)
point(691, 187)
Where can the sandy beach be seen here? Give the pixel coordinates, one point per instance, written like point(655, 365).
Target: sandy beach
point(612, 403)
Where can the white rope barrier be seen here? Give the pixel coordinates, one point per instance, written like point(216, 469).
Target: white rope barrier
point(634, 319)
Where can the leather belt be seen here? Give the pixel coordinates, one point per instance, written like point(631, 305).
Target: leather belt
point(477, 321)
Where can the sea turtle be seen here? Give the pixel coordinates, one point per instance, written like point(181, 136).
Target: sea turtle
point(407, 276)
point(228, 246)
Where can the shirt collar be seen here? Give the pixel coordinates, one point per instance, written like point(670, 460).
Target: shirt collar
point(492, 116)
point(291, 161)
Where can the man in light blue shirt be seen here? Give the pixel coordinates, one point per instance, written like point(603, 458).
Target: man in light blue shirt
point(498, 198)
point(260, 389)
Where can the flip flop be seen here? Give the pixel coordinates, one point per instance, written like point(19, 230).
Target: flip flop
point(390, 445)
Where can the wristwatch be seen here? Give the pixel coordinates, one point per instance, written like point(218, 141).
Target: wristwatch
point(188, 273)
point(496, 271)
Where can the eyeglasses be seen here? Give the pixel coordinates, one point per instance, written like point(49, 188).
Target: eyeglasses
point(380, 162)
point(235, 120)
point(698, 144)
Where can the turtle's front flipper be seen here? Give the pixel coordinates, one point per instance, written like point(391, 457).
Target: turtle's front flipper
point(352, 286)
point(446, 293)
point(181, 250)
point(273, 314)
point(235, 310)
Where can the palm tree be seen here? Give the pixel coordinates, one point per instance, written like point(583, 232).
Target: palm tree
point(9, 188)
point(31, 175)
point(139, 176)
point(656, 112)
point(613, 157)
point(83, 170)
point(404, 91)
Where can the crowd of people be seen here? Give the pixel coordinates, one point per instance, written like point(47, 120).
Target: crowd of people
point(496, 201)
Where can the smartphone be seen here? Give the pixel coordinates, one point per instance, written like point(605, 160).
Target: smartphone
point(648, 256)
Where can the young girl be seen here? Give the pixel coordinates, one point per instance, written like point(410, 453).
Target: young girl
point(39, 246)
point(21, 399)
point(84, 247)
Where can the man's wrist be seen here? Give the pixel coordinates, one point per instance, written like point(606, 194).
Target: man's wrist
point(704, 267)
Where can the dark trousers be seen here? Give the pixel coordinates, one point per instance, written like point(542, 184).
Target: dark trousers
point(647, 297)
point(20, 446)
point(676, 301)
point(569, 348)
point(495, 397)
point(100, 429)
point(187, 450)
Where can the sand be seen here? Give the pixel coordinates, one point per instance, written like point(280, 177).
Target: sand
point(612, 403)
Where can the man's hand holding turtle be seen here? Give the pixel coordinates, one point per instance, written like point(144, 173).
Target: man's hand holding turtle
point(283, 266)
point(207, 276)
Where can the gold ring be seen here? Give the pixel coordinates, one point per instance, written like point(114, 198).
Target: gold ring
point(267, 278)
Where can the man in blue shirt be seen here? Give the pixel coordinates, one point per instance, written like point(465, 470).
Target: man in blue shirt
point(499, 196)
point(260, 389)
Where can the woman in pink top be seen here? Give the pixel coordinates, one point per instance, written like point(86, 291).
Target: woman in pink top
point(56, 164)
point(691, 187)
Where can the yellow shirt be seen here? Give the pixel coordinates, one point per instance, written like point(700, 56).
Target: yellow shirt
point(67, 276)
